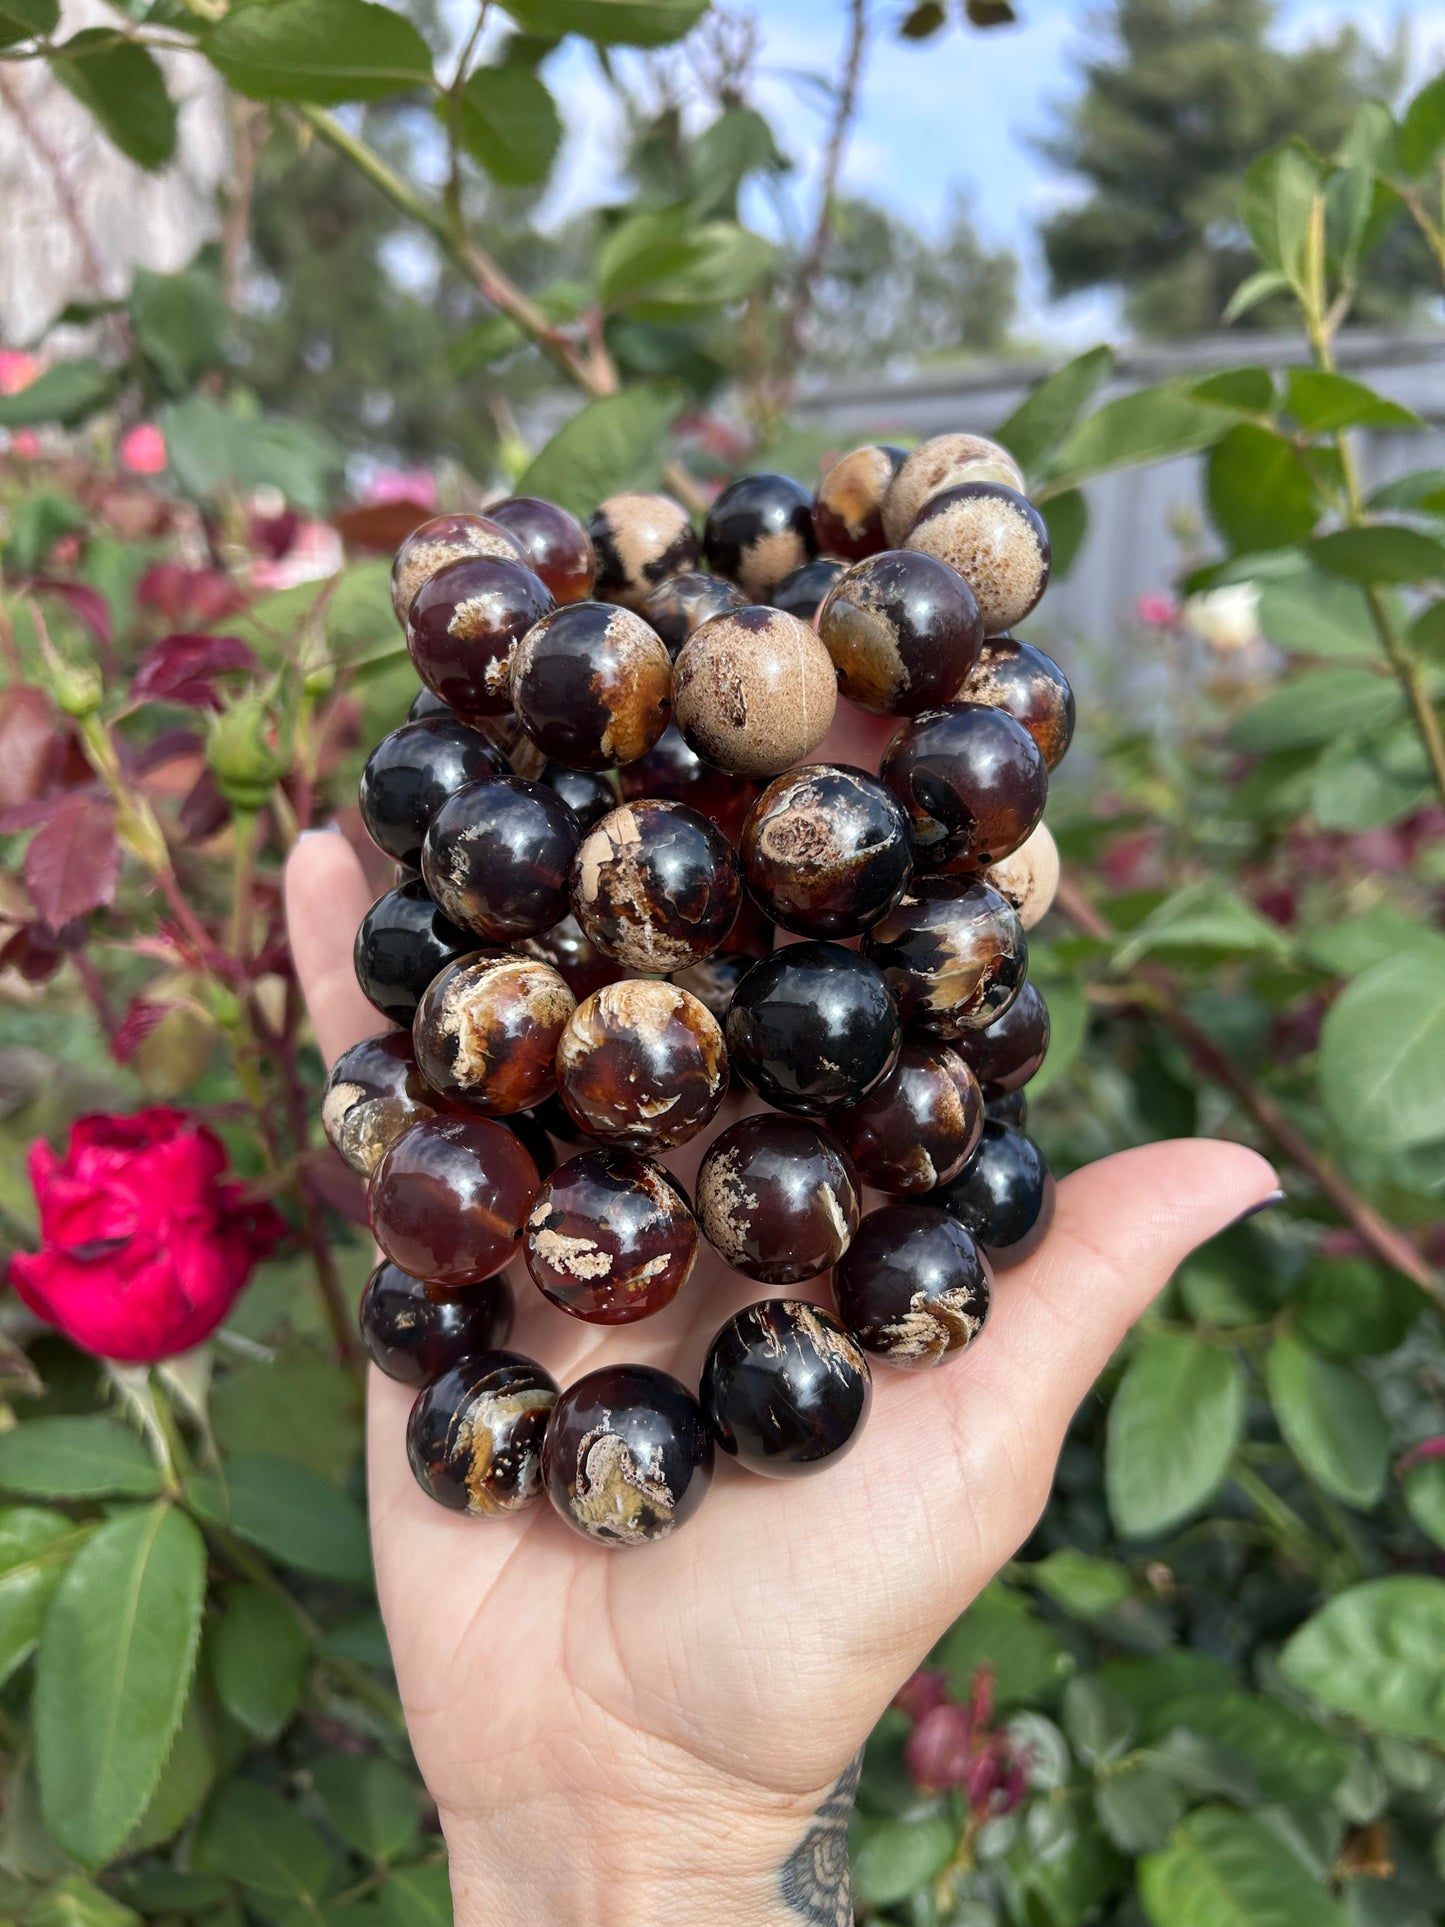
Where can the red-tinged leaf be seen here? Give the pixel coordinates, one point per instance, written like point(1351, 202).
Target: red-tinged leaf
point(29, 816)
point(204, 810)
point(29, 740)
point(87, 605)
point(183, 669)
point(329, 1182)
point(72, 865)
point(33, 952)
point(140, 1019)
point(380, 527)
point(167, 746)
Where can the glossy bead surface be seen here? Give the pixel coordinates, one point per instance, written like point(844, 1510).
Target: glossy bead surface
point(1005, 1054)
point(572, 954)
point(714, 980)
point(450, 1197)
point(373, 1093)
point(759, 530)
point(655, 886)
point(610, 1238)
point(436, 545)
point(813, 1025)
point(642, 1064)
point(785, 1389)
point(676, 773)
point(628, 1459)
point(918, 1127)
point(778, 1198)
point(913, 1288)
point(1004, 1195)
point(680, 604)
point(1015, 676)
point(903, 631)
point(1029, 877)
point(531, 1130)
point(415, 1332)
point(972, 781)
point(942, 462)
point(404, 940)
point(826, 850)
point(848, 507)
point(487, 1029)
point(640, 540)
point(554, 544)
point(427, 703)
point(474, 1437)
point(953, 953)
point(464, 625)
point(412, 772)
point(801, 592)
point(588, 793)
point(1013, 1109)
point(497, 858)
point(754, 692)
point(592, 685)
point(998, 542)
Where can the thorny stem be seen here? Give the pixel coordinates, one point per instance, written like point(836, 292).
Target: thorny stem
point(1279, 1515)
point(1389, 1245)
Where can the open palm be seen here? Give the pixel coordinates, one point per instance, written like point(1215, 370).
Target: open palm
point(746, 1658)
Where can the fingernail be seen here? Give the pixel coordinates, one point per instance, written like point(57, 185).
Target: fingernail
point(1265, 1204)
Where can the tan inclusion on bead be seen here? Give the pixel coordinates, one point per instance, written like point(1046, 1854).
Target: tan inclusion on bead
point(938, 464)
point(754, 692)
point(1029, 879)
point(444, 540)
point(990, 534)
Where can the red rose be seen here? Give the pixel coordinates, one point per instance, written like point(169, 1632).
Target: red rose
point(144, 1248)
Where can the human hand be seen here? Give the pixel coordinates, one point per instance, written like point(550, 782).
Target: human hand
point(669, 1735)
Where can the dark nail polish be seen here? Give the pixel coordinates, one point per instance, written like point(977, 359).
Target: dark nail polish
point(1265, 1204)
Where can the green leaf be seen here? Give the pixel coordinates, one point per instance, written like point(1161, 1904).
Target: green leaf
point(121, 83)
point(184, 1785)
point(1321, 401)
point(179, 322)
point(490, 340)
point(1366, 784)
point(617, 23)
point(1372, 140)
point(324, 52)
point(1084, 1586)
point(1000, 1630)
point(1067, 518)
point(662, 263)
point(35, 1546)
point(509, 124)
point(1331, 1421)
point(1382, 1054)
point(1100, 1723)
point(293, 1407)
point(1252, 290)
point(372, 1804)
point(1147, 426)
point(251, 1835)
point(78, 1902)
point(1423, 489)
point(1068, 1030)
point(213, 449)
point(66, 393)
point(258, 1661)
point(290, 1512)
point(1314, 615)
point(1353, 1308)
point(739, 143)
point(1289, 1756)
point(1208, 918)
point(418, 1897)
point(1376, 1653)
point(1173, 1428)
point(1050, 409)
point(114, 1668)
point(1226, 1869)
point(76, 1458)
point(1385, 552)
point(897, 1857)
point(23, 19)
point(1325, 706)
point(1248, 391)
point(1276, 203)
point(1422, 130)
point(1425, 1497)
point(1261, 494)
point(609, 445)
point(1137, 1806)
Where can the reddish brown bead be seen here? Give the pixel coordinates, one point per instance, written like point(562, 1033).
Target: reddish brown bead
point(642, 1064)
point(998, 542)
point(681, 604)
point(918, 1127)
point(914, 1288)
point(374, 1092)
point(415, 1331)
point(439, 543)
point(778, 1198)
point(953, 954)
point(972, 781)
point(497, 858)
point(627, 1459)
point(676, 773)
point(463, 627)
point(554, 544)
point(487, 1030)
point(573, 955)
point(1015, 676)
point(475, 1435)
point(1008, 1052)
point(903, 631)
point(655, 885)
point(640, 540)
point(754, 692)
point(592, 685)
point(826, 850)
point(848, 508)
point(610, 1238)
point(450, 1197)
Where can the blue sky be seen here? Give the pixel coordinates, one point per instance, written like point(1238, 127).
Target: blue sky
point(957, 111)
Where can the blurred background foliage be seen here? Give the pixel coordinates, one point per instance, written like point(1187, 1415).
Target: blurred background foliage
point(1209, 1689)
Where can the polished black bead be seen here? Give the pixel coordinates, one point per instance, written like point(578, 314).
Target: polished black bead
point(425, 703)
point(1004, 1195)
point(812, 1025)
point(785, 1389)
point(474, 1437)
point(973, 782)
point(759, 530)
point(826, 851)
point(497, 858)
point(628, 1458)
point(800, 591)
point(415, 1332)
point(913, 1287)
point(412, 772)
point(676, 607)
point(953, 953)
point(588, 793)
point(1005, 1054)
point(404, 940)
point(1013, 1109)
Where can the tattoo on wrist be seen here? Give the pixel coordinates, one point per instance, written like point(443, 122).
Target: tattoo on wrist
point(814, 1882)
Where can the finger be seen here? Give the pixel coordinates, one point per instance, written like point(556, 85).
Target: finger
point(326, 898)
